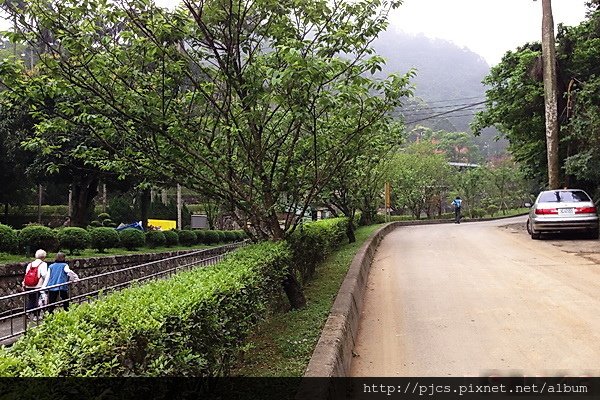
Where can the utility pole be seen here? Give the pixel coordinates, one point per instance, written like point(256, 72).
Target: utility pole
point(550, 94)
point(179, 206)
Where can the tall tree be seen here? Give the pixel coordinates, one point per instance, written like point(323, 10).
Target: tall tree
point(251, 103)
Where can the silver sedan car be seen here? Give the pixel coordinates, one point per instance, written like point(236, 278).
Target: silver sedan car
point(563, 210)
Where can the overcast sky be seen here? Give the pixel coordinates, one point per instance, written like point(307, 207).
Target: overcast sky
point(487, 27)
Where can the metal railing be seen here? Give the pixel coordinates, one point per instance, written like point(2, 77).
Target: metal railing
point(15, 322)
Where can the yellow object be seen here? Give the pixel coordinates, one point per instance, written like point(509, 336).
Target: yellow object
point(163, 224)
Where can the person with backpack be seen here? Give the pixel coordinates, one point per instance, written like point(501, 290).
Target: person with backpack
point(36, 274)
point(59, 272)
point(457, 203)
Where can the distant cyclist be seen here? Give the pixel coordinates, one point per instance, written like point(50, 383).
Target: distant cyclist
point(457, 203)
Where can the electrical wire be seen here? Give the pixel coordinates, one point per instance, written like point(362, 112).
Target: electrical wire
point(446, 112)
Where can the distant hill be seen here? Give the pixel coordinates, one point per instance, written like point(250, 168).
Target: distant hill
point(448, 77)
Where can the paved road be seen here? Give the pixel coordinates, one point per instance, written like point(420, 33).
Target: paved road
point(477, 299)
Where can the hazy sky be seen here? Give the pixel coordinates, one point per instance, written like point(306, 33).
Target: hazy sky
point(487, 27)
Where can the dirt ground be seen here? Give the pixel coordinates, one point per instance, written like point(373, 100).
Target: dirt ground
point(570, 243)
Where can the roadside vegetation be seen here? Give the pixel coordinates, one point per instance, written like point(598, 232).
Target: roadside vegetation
point(283, 344)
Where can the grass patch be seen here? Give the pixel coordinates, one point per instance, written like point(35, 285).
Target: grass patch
point(283, 344)
point(89, 253)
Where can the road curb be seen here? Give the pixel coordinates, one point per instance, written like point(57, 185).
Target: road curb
point(333, 354)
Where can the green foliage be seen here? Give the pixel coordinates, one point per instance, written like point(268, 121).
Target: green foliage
point(103, 216)
point(222, 236)
point(121, 209)
point(211, 237)
point(270, 104)
point(103, 238)
point(34, 237)
point(187, 237)
point(200, 236)
point(95, 224)
point(9, 242)
point(230, 236)
point(171, 238)
point(492, 209)
point(73, 238)
point(155, 239)
point(313, 241)
point(142, 331)
point(131, 238)
point(419, 178)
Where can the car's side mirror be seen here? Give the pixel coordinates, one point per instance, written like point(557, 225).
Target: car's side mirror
point(528, 205)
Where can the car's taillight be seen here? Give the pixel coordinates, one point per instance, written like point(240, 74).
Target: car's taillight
point(585, 210)
point(546, 211)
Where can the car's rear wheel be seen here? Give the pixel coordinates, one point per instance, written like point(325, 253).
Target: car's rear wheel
point(534, 235)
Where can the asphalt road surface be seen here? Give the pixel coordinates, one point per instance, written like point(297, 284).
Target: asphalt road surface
point(480, 299)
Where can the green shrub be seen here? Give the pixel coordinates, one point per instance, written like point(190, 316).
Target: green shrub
point(241, 235)
point(200, 236)
point(211, 237)
point(311, 242)
point(103, 238)
point(103, 216)
point(9, 242)
point(132, 239)
point(230, 236)
point(171, 238)
point(155, 239)
point(95, 224)
point(478, 213)
point(107, 222)
point(222, 236)
point(73, 238)
point(187, 237)
point(34, 237)
point(143, 332)
point(492, 209)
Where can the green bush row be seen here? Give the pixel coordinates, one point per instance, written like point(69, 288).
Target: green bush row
point(193, 324)
point(74, 239)
point(143, 331)
point(311, 242)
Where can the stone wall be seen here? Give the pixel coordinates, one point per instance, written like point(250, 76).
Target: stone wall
point(11, 275)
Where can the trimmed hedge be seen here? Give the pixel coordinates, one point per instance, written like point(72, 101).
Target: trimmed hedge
point(103, 238)
point(187, 237)
point(311, 242)
point(142, 331)
point(73, 238)
point(171, 238)
point(211, 237)
point(9, 241)
point(155, 239)
point(132, 238)
point(34, 237)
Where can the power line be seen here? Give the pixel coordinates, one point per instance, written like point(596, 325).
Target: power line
point(446, 112)
point(456, 99)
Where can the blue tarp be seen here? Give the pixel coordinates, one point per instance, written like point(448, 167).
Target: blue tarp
point(134, 225)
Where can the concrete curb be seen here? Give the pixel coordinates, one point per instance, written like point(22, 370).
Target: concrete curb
point(333, 353)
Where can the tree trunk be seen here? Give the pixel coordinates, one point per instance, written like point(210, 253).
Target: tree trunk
point(6, 213)
point(84, 193)
point(293, 291)
point(550, 94)
point(350, 230)
point(146, 198)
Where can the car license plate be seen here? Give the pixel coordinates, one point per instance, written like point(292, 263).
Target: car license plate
point(566, 211)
